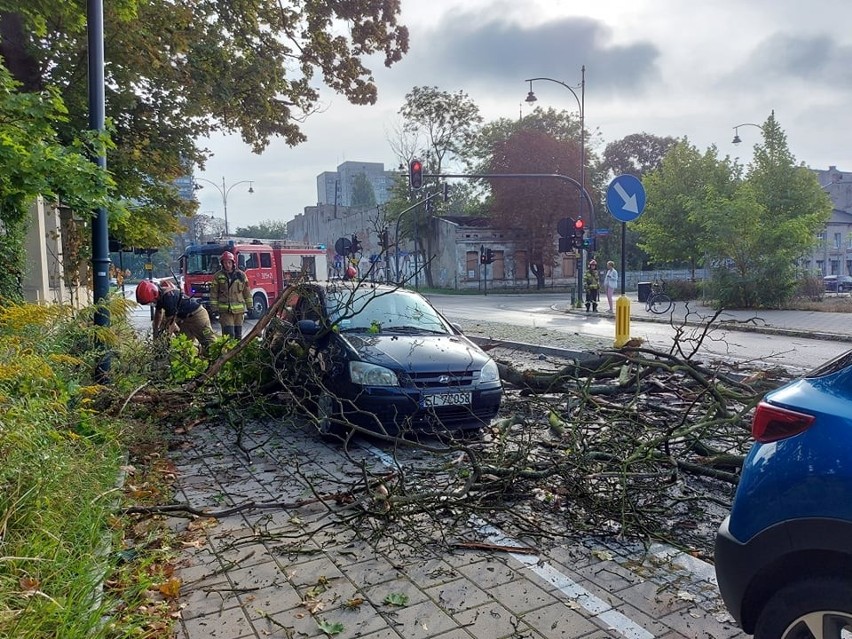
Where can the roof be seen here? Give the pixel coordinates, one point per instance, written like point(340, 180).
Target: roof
point(471, 222)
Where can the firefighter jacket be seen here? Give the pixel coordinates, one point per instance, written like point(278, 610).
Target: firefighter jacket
point(230, 292)
point(591, 280)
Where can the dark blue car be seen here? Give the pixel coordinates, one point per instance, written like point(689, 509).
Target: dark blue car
point(385, 359)
point(784, 554)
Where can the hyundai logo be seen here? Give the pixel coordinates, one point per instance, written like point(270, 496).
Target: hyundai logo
point(444, 379)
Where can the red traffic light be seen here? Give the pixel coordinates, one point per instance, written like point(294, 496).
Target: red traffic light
point(578, 224)
point(415, 174)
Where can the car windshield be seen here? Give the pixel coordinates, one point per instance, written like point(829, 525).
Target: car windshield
point(365, 309)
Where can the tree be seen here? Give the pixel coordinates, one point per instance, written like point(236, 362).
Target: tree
point(636, 154)
point(266, 229)
point(363, 195)
point(536, 204)
point(672, 227)
point(36, 162)
point(448, 122)
point(757, 234)
point(179, 71)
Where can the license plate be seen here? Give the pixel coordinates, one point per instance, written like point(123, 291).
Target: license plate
point(447, 399)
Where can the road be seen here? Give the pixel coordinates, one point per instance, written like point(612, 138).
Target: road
point(545, 311)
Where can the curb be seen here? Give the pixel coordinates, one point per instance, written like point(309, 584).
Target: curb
point(733, 325)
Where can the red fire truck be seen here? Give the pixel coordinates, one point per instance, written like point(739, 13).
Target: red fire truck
point(269, 265)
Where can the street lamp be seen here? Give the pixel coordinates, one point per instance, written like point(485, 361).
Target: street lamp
point(737, 139)
point(223, 191)
point(581, 102)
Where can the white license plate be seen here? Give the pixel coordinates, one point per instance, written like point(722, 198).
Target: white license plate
point(447, 399)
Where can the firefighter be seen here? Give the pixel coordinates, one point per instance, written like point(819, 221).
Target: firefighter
point(230, 296)
point(175, 308)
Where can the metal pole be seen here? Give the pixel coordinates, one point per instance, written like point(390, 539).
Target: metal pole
point(97, 118)
point(225, 206)
point(623, 255)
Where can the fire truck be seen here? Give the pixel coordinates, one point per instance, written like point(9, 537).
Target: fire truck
point(270, 267)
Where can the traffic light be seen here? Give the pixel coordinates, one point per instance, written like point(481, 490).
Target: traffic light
point(489, 256)
point(354, 245)
point(482, 256)
point(415, 174)
point(589, 244)
point(579, 232)
point(565, 245)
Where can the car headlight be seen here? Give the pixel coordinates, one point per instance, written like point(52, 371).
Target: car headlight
point(489, 372)
point(371, 375)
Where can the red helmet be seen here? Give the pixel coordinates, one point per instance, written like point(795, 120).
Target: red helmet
point(147, 292)
point(593, 263)
point(227, 255)
point(351, 272)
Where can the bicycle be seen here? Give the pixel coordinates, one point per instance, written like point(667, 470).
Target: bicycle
point(658, 302)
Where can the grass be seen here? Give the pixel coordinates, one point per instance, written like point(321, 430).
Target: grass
point(61, 459)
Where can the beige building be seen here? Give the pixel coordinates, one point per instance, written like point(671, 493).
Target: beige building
point(55, 271)
point(833, 253)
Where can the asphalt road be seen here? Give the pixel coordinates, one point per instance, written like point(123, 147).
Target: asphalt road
point(546, 312)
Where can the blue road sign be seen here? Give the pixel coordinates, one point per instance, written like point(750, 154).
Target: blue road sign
point(625, 198)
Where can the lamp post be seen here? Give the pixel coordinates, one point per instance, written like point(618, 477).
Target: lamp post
point(224, 191)
point(737, 139)
point(581, 104)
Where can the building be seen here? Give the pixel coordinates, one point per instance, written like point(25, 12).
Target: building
point(338, 187)
point(833, 253)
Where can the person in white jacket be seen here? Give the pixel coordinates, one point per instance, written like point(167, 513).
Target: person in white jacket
point(610, 282)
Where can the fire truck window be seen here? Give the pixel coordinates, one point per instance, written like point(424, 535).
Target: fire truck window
point(213, 266)
point(266, 260)
point(248, 260)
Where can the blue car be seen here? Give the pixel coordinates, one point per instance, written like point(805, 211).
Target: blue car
point(382, 358)
point(784, 554)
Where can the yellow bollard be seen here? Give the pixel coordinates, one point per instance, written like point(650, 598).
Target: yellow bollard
point(622, 321)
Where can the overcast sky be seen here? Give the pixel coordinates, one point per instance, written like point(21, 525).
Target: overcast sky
point(667, 67)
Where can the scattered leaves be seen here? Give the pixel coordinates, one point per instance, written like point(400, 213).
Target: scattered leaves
point(396, 599)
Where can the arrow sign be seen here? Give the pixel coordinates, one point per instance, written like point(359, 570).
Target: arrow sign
point(625, 198)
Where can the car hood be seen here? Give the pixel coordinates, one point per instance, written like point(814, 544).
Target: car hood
point(417, 353)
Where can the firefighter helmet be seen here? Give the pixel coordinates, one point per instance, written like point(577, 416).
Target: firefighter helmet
point(147, 292)
point(351, 273)
point(227, 255)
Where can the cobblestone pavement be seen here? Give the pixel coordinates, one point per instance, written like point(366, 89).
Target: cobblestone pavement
point(290, 567)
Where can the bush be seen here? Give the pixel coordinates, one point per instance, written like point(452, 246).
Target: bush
point(811, 287)
point(59, 464)
point(683, 290)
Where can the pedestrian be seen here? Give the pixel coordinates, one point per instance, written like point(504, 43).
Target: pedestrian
point(610, 282)
point(591, 286)
point(230, 296)
point(174, 308)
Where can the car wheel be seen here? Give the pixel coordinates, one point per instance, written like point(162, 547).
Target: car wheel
point(328, 416)
point(258, 306)
point(819, 608)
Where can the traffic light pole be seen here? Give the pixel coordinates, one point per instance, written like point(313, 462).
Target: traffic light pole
point(396, 233)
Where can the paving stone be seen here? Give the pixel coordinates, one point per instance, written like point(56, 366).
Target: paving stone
point(655, 600)
point(422, 621)
point(559, 621)
point(402, 585)
point(488, 573)
point(371, 572)
point(521, 596)
point(697, 625)
point(208, 596)
point(227, 624)
point(493, 621)
point(609, 575)
point(271, 599)
point(458, 595)
point(431, 572)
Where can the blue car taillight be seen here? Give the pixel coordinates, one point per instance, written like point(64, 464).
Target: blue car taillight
point(772, 423)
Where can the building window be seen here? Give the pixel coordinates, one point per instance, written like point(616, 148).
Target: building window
point(821, 237)
point(820, 266)
point(838, 239)
point(835, 267)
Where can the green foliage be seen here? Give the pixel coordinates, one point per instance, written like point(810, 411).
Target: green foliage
point(59, 462)
point(266, 229)
point(185, 363)
point(179, 72)
point(636, 154)
point(37, 162)
point(683, 290)
point(363, 195)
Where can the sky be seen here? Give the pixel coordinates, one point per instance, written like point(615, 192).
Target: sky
point(666, 67)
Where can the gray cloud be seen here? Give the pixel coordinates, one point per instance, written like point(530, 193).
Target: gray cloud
point(815, 58)
point(465, 51)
